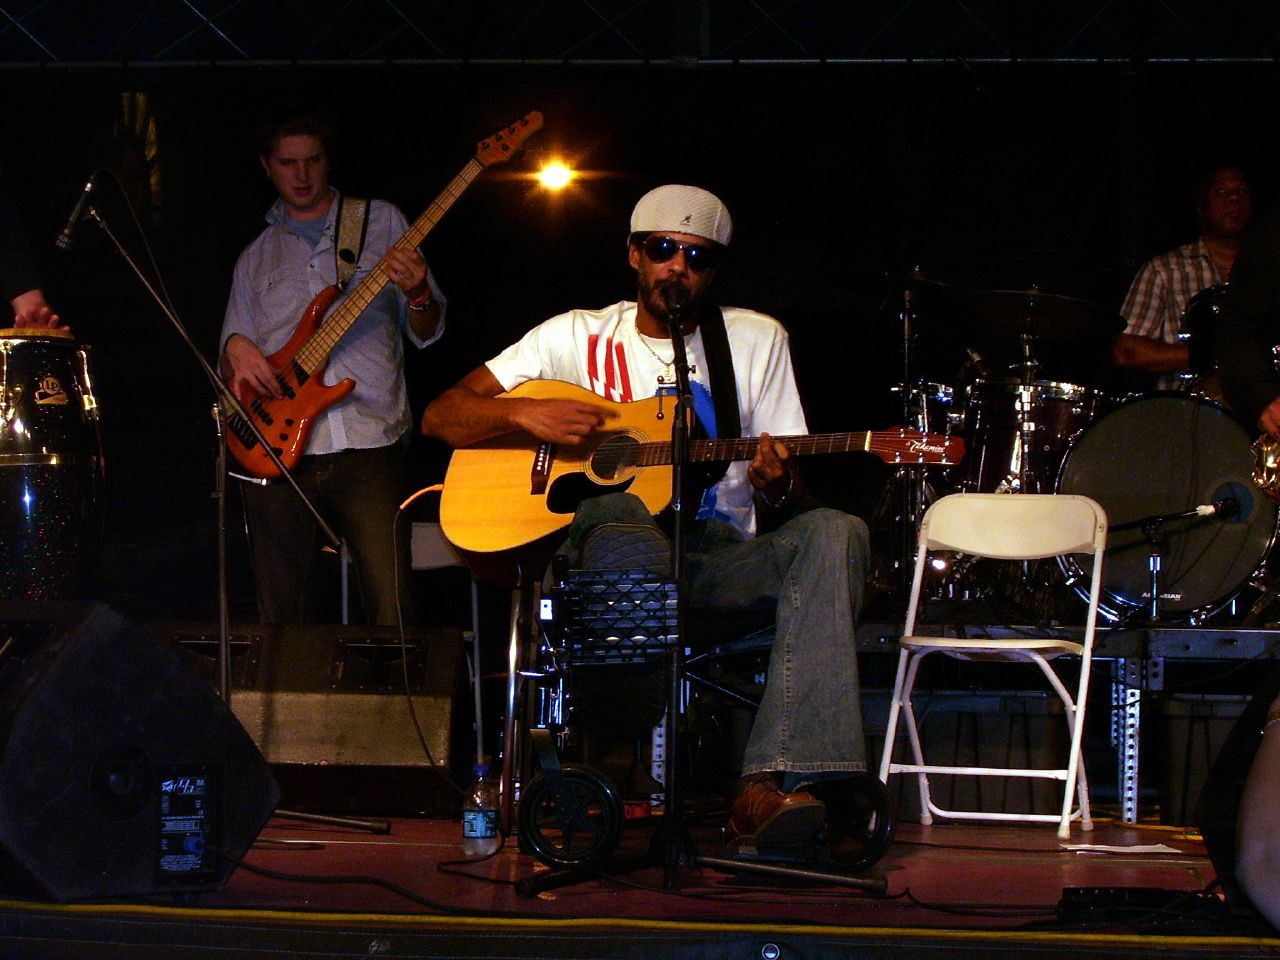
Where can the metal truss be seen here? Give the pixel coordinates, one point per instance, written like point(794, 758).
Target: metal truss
point(173, 32)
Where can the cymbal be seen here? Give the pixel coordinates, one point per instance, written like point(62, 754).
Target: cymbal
point(1046, 316)
point(916, 282)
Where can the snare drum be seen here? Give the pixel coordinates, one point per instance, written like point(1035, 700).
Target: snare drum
point(999, 413)
point(50, 464)
point(1161, 454)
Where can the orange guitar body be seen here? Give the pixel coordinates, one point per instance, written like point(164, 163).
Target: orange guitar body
point(286, 421)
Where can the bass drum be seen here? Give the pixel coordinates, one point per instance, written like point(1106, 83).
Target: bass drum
point(1164, 454)
point(50, 466)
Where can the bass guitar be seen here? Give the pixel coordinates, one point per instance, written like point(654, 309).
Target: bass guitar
point(512, 490)
point(286, 422)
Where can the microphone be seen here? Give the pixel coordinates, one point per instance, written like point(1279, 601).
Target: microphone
point(1225, 508)
point(675, 296)
point(77, 213)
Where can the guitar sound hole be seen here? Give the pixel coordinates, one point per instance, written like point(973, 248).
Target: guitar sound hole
point(615, 458)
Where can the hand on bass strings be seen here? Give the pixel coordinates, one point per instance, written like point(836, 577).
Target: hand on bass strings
point(243, 365)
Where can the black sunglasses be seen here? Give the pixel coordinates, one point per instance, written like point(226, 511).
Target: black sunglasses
point(699, 256)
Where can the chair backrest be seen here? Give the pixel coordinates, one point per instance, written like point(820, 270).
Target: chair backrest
point(1022, 526)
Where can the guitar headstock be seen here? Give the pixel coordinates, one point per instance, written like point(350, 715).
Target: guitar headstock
point(911, 446)
point(500, 146)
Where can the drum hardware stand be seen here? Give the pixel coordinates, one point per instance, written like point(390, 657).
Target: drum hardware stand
point(1269, 592)
point(228, 401)
point(1026, 425)
point(911, 485)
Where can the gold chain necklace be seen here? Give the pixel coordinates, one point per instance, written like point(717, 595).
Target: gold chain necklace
point(668, 376)
point(653, 353)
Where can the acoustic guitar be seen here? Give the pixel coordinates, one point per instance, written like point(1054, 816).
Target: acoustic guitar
point(512, 490)
point(286, 422)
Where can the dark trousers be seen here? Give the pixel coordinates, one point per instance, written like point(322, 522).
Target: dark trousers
point(358, 493)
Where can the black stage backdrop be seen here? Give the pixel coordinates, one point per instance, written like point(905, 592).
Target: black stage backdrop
point(840, 179)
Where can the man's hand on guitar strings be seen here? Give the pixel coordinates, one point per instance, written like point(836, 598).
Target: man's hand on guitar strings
point(244, 365)
point(559, 421)
point(770, 469)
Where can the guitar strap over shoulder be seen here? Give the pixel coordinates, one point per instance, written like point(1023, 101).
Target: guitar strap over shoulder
point(724, 385)
point(353, 223)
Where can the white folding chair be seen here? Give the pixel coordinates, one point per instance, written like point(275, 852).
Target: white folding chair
point(1007, 527)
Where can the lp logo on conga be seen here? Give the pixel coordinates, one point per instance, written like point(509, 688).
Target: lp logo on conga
point(50, 392)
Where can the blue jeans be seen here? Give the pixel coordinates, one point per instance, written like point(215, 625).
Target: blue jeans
point(810, 572)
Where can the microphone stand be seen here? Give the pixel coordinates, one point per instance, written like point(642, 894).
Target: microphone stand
point(673, 840)
point(226, 400)
point(1152, 528)
point(676, 846)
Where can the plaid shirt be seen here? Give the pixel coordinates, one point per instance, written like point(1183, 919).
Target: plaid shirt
point(1158, 298)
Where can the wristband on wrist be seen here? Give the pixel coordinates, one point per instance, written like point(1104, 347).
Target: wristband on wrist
point(422, 302)
point(786, 494)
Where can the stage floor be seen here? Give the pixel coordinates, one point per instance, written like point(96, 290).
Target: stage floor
point(971, 890)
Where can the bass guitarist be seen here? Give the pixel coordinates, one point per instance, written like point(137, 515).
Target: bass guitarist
point(354, 468)
point(806, 567)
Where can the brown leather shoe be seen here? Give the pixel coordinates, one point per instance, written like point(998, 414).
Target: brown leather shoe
point(768, 818)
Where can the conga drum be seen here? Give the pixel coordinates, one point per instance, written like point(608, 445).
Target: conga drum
point(50, 465)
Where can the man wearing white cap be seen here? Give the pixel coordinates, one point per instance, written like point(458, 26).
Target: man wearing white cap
point(807, 567)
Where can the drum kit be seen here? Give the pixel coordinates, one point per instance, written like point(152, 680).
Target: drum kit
point(50, 465)
point(1190, 529)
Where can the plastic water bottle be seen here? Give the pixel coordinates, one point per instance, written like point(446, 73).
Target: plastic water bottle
point(480, 814)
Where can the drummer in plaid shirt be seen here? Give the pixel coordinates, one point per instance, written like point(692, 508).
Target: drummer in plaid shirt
point(1158, 298)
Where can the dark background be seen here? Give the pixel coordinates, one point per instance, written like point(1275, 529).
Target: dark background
point(841, 178)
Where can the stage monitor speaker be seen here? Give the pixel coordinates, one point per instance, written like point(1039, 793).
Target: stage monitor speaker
point(327, 705)
point(122, 773)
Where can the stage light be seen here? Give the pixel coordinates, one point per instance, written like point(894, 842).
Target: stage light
point(555, 176)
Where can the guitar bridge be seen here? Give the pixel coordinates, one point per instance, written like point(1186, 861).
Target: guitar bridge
point(540, 474)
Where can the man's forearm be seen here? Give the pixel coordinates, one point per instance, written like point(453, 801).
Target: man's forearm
point(461, 417)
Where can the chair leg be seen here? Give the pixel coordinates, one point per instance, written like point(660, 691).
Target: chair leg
point(1076, 788)
point(891, 728)
point(1082, 796)
point(913, 734)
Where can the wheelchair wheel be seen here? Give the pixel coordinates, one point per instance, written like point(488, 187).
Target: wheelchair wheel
point(860, 820)
point(574, 824)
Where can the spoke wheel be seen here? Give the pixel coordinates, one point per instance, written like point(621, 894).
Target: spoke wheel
point(573, 824)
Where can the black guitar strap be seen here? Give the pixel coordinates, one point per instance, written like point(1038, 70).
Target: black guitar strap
point(724, 385)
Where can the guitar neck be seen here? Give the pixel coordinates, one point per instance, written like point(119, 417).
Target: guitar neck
point(744, 448)
point(315, 352)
